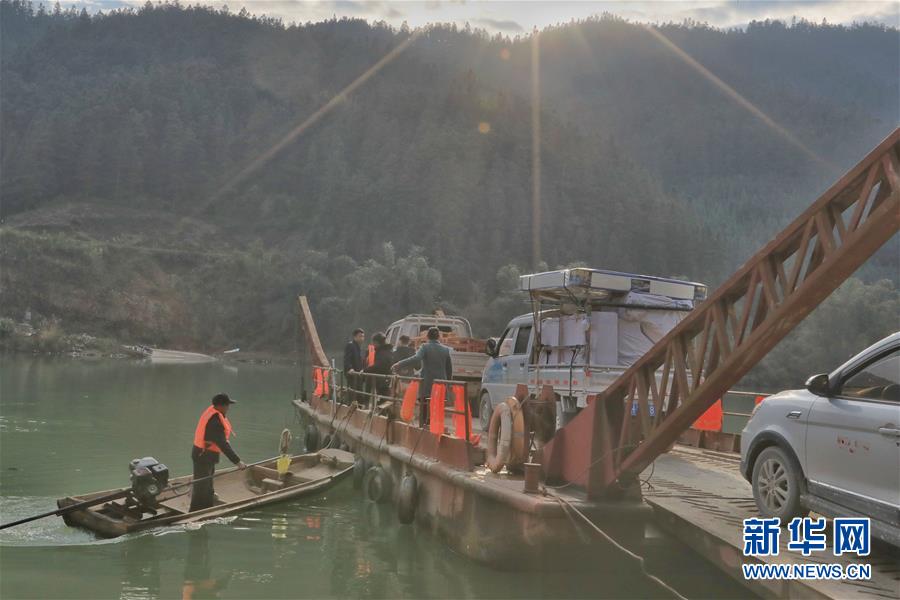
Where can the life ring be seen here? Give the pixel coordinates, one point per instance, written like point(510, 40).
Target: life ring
point(312, 438)
point(407, 499)
point(326, 442)
point(506, 436)
point(377, 485)
point(360, 466)
point(284, 442)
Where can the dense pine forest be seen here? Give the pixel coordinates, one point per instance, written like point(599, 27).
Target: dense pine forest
point(142, 199)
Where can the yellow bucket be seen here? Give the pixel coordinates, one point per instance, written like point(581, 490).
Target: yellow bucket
point(283, 464)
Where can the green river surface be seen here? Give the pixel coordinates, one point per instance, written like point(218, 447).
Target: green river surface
point(71, 426)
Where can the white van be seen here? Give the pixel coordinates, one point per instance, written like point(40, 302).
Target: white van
point(592, 326)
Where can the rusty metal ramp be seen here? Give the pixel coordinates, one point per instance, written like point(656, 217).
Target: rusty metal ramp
point(700, 497)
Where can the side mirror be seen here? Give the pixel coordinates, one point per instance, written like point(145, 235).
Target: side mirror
point(490, 347)
point(818, 384)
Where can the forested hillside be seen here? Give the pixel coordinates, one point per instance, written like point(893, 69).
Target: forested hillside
point(124, 134)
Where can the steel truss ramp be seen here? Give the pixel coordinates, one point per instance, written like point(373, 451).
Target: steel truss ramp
point(605, 447)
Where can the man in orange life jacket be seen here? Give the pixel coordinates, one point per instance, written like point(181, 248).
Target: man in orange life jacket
point(210, 440)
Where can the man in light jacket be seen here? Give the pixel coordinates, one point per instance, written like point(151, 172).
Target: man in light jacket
point(434, 358)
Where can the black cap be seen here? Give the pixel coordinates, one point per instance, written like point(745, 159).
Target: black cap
point(220, 399)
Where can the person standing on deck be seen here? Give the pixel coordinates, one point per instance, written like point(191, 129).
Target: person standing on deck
point(353, 361)
point(383, 360)
point(402, 352)
point(211, 440)
point(434, 357)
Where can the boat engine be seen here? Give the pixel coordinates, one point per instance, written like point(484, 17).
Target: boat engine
point(148, 478)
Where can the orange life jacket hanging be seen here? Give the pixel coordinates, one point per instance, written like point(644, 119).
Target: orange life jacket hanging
point(711, 420)
point(408, 408)
point(436, 408)
point(320, 378)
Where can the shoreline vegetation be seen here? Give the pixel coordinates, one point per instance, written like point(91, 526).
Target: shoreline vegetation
point(48, 338)
point(121, 215)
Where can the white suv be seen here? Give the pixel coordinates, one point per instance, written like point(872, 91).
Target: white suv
point(834, 447)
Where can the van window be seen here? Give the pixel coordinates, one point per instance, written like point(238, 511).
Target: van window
point(392, 336)
point(522, 340)
point(506, 343)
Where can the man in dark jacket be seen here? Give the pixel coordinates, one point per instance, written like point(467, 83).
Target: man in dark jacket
point(402, 352)
point(354, 362)
point(434, 357)
point(210, 440)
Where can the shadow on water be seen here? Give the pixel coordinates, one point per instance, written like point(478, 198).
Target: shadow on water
point(71, 427)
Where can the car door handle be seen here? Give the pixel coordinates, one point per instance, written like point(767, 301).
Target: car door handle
point(794, 414)
point(889, 429)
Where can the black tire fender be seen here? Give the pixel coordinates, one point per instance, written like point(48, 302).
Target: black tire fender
point(407, 499)
point(360, 466)
point(311, 439)
point(377, 485)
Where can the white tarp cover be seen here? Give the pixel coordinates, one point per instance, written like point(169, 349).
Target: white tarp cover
point(561, 334)
point(641, 328)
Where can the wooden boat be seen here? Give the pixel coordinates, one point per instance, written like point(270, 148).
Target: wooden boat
point(236, 491)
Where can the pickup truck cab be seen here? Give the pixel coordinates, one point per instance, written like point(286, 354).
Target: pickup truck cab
point(589, 327)
point(467, 351)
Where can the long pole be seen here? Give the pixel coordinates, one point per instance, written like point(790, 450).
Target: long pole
point(70, 508)
point(535, 150)
point(114, 496)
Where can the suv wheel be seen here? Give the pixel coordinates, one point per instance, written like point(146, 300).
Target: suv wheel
point(485, 411)
point(776, 485)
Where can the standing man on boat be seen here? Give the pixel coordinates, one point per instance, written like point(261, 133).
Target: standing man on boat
point(211, 440)
point(434, 357)
point(353, 360)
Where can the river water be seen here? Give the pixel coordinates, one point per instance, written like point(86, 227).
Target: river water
point(71, 426)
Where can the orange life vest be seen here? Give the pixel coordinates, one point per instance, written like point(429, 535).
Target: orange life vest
point(370, 357)
point(200, 432)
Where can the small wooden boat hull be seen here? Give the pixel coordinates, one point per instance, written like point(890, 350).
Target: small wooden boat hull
point(236, 490)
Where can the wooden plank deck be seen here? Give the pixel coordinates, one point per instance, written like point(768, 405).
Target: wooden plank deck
point(700, 497)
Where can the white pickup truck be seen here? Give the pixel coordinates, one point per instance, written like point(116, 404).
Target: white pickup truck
point(468, 354)
point(591, 326)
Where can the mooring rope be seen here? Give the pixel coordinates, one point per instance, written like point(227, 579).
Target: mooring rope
point(636, 557)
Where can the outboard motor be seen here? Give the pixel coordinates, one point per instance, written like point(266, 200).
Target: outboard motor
point(148, 478)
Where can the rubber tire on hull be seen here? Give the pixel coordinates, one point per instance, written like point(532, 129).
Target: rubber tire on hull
point(777, 485)
point(311, 441)
point(407, 499)
point(360, 466)
point(377, 485)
